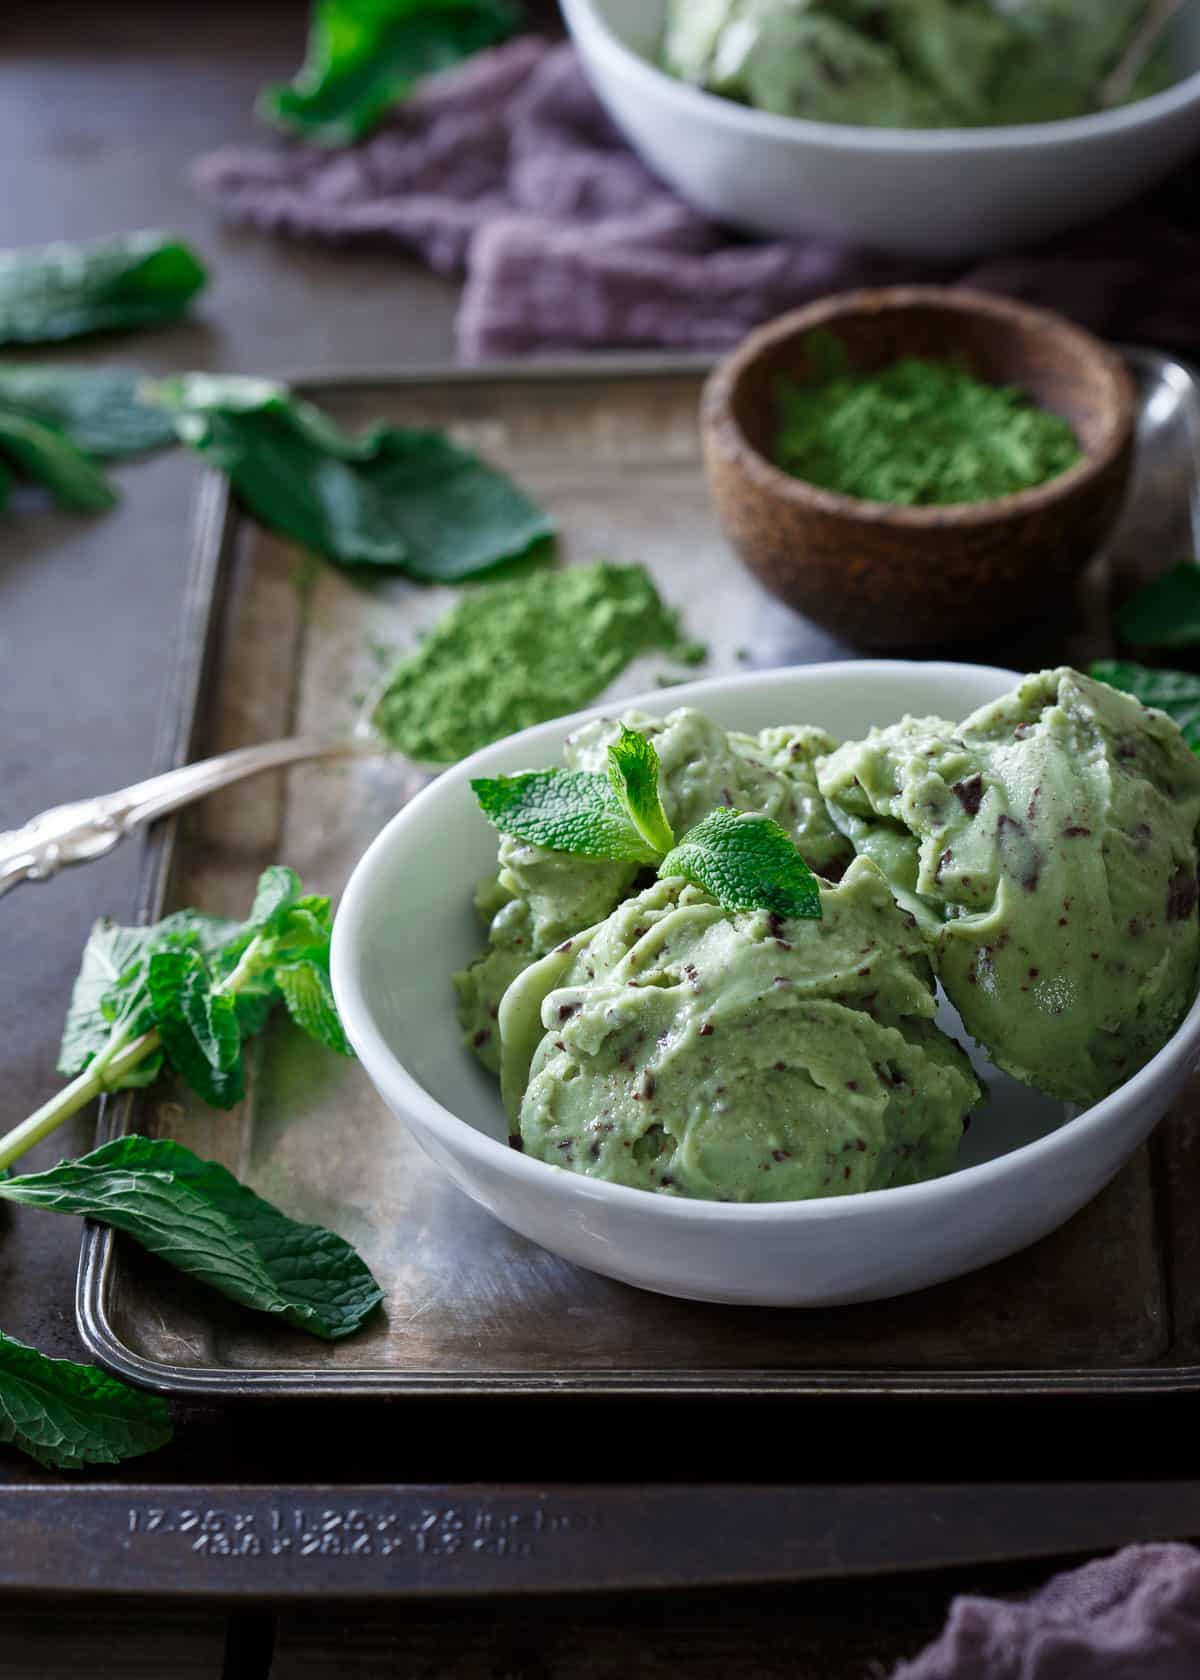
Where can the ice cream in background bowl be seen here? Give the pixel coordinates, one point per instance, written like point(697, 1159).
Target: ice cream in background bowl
point(1027, 1163)
point(936, 64)
point(873, 156)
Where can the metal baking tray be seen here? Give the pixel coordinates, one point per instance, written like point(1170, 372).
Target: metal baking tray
point(276, 642)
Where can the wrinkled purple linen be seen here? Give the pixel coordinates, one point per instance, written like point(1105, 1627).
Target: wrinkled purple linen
point(507, 168)
point(1133, 1616)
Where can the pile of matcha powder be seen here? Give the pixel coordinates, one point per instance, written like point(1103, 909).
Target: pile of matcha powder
point(516, 653)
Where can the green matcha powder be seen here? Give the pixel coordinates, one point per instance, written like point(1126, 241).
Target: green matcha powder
point(918, 433)
point(512, 654)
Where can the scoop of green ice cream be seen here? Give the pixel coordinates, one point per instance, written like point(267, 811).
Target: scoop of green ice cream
point(693, 29)
point(684, 1048)
point(800, 63)
point(956, 51)
point(1048, 846)
point(909, 63)
point(540, 897)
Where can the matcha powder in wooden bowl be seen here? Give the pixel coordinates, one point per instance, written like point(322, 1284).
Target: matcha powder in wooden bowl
point(918, 433)
point(508, 655)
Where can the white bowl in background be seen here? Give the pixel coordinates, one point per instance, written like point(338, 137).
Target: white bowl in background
point(406, 923)
point(920, 192)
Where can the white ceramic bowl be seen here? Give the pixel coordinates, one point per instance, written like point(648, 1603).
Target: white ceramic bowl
point(406, 922)
point(929, 192)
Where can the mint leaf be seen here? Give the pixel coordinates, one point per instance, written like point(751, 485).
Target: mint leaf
point(563, 810)
point(277, 890)
point(364, 56)
point(51, 292)
point(1175, 692)
point(309, 999)
point(286, 943)
point(392, 496)
point(97, 408)
point(633, 777)
point(198, 1026)
point(113, 962)
point(746, 862)
point(196, 1216)
point(48, 457)
point(66, 1415)
point(304, 930)
point(1167, 612)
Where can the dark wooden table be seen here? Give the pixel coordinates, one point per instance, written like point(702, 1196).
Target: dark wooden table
point(101, 111)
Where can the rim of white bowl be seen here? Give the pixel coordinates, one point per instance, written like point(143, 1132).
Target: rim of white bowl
point(586, 22)
point(374, 1051)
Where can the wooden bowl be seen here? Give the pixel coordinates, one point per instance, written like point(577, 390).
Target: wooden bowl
point(884, 576)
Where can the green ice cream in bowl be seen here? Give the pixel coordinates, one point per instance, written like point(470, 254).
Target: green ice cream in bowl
point(920, 63)
point(706, 1050)
point(939, 128)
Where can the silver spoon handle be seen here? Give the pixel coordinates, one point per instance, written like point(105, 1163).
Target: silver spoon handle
point(1119, 83)
point(89, 828)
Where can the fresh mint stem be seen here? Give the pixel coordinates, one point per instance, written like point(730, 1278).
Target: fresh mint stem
point(104, 1074)
point(247, 968)
point(109, 1070)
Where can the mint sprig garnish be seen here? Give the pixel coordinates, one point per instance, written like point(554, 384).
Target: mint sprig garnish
point(633, 777)
point(746, 861)
point(1175, 692)
point(189, 990)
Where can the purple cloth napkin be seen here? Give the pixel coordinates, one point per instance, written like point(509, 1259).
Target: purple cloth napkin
point(1134, 1616)
point(507, 168)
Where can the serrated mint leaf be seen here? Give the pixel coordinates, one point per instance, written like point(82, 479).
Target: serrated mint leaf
point(395, 496)
point(50, 292)
point(563, 810)
point(278, 887)
point(302, 928)
point(113, 960)
point(746, 862)
point(66, 1415)
point(633, 777)
point(281, 920)
point(1175, 692)
point(46, 455)
point(365, 56)
point(1167, 612)
point(198, 1027)
point(97, 408)
point(309, 999)
point(197, 1216)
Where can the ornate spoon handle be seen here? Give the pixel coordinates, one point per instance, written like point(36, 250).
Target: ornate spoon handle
point(89, 828)
point(1118, 84)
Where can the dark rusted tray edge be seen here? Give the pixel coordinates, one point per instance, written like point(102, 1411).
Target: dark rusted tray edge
point(379, 1543)
point(213, 531)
